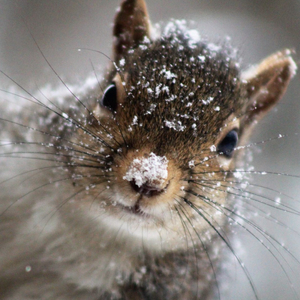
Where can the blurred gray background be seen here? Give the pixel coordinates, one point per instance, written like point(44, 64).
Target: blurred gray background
point(256, 27)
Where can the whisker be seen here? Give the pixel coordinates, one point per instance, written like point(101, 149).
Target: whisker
point(182, 209)
point(61, 115)
point(244, 268)
point(48, 134)
point(34, 190)
point(265, 234)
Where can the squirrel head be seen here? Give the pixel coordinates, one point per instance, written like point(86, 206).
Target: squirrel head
point(182, 92)
point(175, 112)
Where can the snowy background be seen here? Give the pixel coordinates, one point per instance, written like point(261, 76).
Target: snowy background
point(257, 27)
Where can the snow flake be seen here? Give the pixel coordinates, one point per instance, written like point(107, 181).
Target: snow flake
point(122, 62)
point(175, 125)
point(168, 74)
point(213, 148)
point(191, 164)
point(213, 47)
point(149, 91)
point(201, 58)
point(209, 99)
point(134, 120)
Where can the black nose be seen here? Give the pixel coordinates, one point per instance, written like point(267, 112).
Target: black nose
point(147, 189)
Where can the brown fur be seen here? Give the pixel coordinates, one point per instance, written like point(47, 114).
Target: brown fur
point(78, 226)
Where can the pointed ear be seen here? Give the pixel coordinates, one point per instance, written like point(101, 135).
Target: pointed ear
point(266, 83)
point(131, 26)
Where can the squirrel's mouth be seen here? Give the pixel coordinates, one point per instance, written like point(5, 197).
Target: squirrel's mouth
point(148, 190)
point(146, 196)
point(135, 210)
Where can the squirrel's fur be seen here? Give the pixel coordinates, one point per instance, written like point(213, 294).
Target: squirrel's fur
point(74, 228)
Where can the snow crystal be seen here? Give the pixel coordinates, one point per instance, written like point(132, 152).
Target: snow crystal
point(191, 164)
point(238, 175)
point(171, 98)
point(173, 26)
point(168, 74)
point(149, 91)
point(213, 47)
point(146, 84)
point(143, 47)
point(201, 58)
point(194, 38)
point(192, 35)
point(153, 169)
point(134, 120)
point(176, 125)
point(146, 40)
point(151, 109)
point(206, 102)
point(28, 268)
point(213, 148)
point(277, 201)
point(157, 90)
point(166, 89)
point(186, 116)
point(122, 62)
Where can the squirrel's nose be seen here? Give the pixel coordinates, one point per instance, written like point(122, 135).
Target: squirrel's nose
point(148, 174)
point(147, 189)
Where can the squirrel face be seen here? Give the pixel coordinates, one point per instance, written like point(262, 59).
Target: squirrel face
point(173, 120)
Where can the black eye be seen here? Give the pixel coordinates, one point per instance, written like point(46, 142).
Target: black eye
point(227, 145)
point(109, 98)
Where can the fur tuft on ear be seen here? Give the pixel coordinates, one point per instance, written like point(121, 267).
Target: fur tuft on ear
point(131, 26)
point(266, 83)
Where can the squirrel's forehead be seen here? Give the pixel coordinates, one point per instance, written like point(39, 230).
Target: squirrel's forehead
point(180, 79)
point(192, 70)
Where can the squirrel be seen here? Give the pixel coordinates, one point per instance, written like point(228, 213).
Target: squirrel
point(127, 191)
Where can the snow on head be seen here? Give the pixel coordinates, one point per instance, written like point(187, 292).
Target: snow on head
point(152, 169)
point(191, 35)
point(175, 125)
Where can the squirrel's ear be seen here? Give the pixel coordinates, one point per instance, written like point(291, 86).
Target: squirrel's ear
point(266, 83)
point(131, 26)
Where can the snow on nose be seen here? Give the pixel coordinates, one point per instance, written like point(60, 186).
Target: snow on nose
point(148, 175)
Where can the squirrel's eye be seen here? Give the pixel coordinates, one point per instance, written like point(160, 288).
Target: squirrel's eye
point(109, 98)
point(227, 145)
